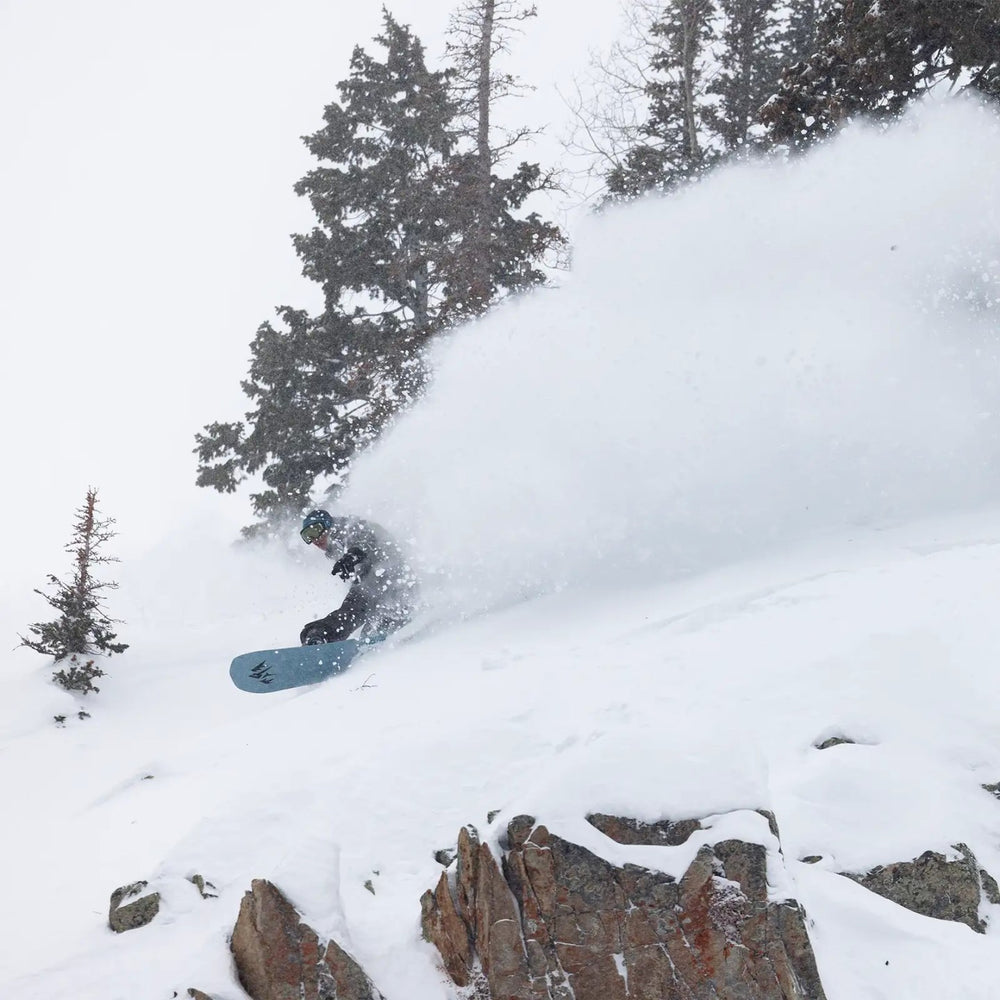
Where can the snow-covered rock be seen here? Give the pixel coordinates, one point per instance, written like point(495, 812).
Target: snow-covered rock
point(550, 920)
point(277, 955)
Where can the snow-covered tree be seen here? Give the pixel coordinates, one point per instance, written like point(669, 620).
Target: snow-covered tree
point(873, 59)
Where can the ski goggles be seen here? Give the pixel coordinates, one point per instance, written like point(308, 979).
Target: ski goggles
point(312, 531)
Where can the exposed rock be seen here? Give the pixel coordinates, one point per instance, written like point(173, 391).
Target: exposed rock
point(664, 833)
point(835, 741)
point(341, 978)
point(467, 875)
point(498, 931)
point(204, 887)
point(746, 864)
point(519, 830)
point(990, 888)
point(994, 790)
point(447, 931)
point(124, 916)
point(933, 886)
point(445, 856)
point(553, 921)
point(772, 822)
point(198, 995)
point(278, 957)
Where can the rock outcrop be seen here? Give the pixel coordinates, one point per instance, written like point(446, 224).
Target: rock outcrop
point(126, 916)
point(933, 886)
point(550, 920)
point(278, 957)
point(665, 833)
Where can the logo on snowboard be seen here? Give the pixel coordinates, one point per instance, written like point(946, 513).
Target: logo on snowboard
point(262, 673)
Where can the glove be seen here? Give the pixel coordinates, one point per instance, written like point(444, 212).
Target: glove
point(351, 563)
point(312, 634)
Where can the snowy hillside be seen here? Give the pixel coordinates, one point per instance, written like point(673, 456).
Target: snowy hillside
point(731, 490)
point(672, 701)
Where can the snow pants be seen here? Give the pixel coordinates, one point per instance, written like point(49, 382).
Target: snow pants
point(359, 609)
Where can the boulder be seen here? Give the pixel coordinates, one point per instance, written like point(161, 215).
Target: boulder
point(663, 833)
point(445, 856)
point(204, 887)
point(835, 741)
point(447, 931)
point(550, 920)
point(279, 957)
point(126, 916)
point(933, 886)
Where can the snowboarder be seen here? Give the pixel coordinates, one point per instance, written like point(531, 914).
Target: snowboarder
point(383, 588)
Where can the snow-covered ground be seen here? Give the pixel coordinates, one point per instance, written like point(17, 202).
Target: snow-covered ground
point(688, 699)
point(733, 489)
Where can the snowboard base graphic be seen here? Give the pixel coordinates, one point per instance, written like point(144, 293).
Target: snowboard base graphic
point(268, 670)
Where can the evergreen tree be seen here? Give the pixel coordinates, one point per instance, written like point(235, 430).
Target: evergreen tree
point(498, 252)
point(609, 105)
point(728, 75)
point(409, 239)
point(379, 195)
point(318, 397)
point(874, 59)
point(799, 40)
point(325, 386)
point(82, 626)
point(749, 64)
point(715, 65)
point(673, 148)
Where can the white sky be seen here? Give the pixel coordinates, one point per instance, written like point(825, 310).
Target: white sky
point(145, 212)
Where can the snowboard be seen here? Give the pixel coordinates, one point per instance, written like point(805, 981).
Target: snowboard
point(270, 670)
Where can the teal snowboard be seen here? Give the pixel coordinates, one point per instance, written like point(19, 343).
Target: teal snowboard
point(270, 670)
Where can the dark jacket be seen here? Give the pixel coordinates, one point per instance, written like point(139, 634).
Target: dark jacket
point(382, 573)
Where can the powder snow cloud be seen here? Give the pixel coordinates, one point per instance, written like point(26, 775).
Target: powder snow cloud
point(781, 351)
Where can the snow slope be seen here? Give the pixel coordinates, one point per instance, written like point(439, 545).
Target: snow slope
point(688, 699)
point(731, 490)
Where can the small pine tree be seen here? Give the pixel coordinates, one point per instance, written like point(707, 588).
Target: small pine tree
point(83, 627)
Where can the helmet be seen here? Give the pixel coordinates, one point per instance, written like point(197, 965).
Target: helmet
point(315, 524)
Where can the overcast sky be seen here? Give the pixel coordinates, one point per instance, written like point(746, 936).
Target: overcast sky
point(145, 212)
